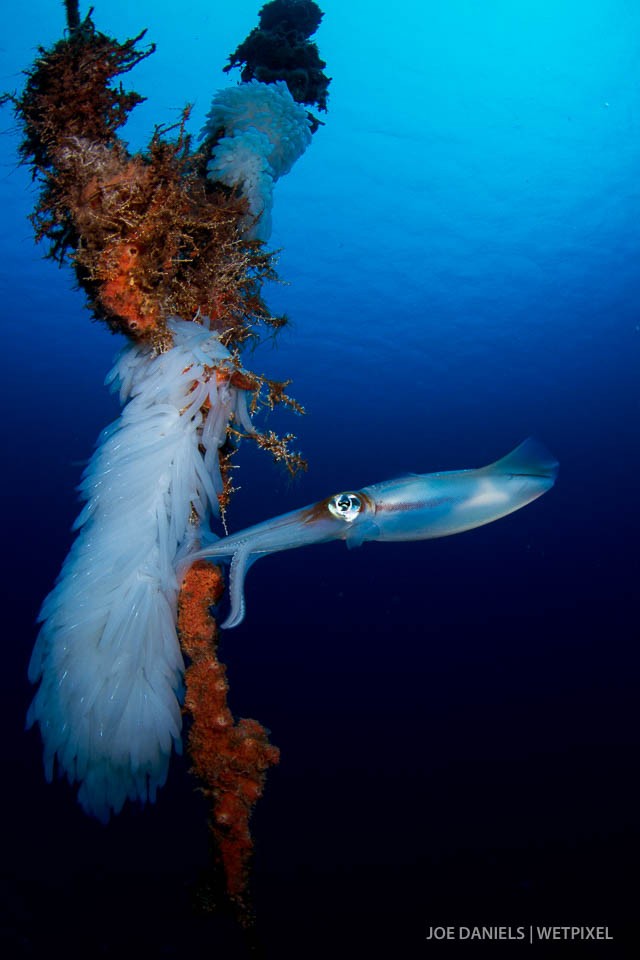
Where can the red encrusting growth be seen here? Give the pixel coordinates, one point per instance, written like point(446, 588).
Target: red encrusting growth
point(120, 294)
point(151, 237)
point(230, 758)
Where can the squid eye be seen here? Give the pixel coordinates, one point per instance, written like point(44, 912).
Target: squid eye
point(347, 506)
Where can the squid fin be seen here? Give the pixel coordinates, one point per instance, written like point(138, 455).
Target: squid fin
point(530, 459)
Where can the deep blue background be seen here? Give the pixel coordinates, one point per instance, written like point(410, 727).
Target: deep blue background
point(457, 719)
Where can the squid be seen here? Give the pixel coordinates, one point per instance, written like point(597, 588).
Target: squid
point(413, 507)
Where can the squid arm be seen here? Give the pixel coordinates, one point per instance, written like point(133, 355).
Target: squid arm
point(415, 507)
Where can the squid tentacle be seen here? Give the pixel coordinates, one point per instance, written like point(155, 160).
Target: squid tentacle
point(240, 563)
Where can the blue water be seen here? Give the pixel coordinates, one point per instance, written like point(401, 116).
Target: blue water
point(457, 718)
